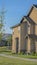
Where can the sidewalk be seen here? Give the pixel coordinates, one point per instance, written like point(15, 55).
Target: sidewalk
point(4, 55)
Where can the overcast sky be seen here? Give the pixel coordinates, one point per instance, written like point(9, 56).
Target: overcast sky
point(15, 10)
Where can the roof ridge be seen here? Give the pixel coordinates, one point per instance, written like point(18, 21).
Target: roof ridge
point(35, 5)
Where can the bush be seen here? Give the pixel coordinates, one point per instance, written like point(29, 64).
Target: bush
point(21, 53)
point(33, 53)
point(4, 49)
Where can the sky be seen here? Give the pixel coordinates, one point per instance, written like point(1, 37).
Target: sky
point(15, 10)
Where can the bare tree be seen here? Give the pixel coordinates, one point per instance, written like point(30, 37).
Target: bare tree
point(2, 18)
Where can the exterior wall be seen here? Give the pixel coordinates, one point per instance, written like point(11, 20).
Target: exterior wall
point(32, 29)
point(36, 45)
point(25, 43)
point(35, 29)
point(24, 32)
point(28, 28)
point(16, 33)
point(33, 47)
point(28, 45)
point(33, 15)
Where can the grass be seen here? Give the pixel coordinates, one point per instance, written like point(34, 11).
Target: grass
point(25, 56)
point(17, 55)
point(4, 49)
point(9, 52)
point(28, 56)
point(10, 61)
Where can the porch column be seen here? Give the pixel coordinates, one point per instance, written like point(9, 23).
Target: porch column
point(28, 48)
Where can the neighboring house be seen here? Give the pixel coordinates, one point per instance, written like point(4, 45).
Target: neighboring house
point(24, 36)
point(5, 42)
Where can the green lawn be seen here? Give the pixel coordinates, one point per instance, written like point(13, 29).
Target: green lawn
point(22, 56)
point(8, 52)
point(25, 56)
point(4, 49)
point(10, 61)
point(17, 55)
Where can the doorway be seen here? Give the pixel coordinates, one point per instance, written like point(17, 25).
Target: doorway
point(33, 45)
point(17, 43)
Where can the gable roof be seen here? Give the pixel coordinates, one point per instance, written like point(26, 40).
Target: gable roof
point(33, 6)
point(16, 25)
point(27, 17)
point(30, 20)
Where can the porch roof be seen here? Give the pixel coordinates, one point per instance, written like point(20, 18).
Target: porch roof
point(33, 36)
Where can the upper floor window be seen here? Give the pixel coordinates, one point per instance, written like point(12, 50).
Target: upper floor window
point(29, 28)
point(18, 28)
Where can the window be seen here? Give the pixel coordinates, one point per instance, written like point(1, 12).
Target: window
point(18, 28)
point(29, 29)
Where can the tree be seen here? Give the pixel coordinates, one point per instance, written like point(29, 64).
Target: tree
point(1, 23)
point(9, 39)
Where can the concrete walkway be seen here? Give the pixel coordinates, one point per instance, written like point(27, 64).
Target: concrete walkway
point(4, 55)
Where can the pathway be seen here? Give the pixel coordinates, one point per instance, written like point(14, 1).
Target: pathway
point(4, 55)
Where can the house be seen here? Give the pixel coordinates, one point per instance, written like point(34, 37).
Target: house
point(24, 36)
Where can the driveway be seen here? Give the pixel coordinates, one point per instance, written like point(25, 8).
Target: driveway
point(4, 55)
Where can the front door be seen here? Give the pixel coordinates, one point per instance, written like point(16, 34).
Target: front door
point(17, 43)
point(32, 45)
point(25, 45)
